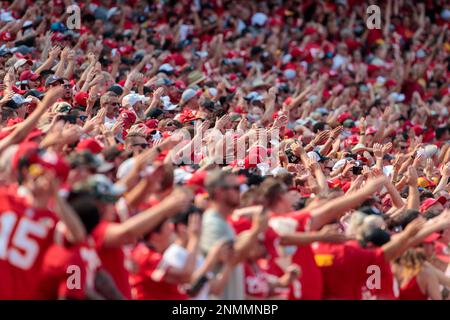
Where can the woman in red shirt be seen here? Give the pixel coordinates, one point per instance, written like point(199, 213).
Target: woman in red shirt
point(418, 280)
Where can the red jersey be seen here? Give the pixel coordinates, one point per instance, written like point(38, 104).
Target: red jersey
point(149, 282)
point(411, 291)
point(113, 259)
point(67, 271)
point(256, 282)
point(346, 268)
point(25, 235)
point(309, 285)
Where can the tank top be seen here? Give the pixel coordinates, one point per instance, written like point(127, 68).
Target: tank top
point(411, 291)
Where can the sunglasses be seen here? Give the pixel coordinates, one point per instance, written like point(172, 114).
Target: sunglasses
point(233, 187)
point(142, 145)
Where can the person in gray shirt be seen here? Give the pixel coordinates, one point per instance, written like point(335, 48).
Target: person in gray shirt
point(223, 189)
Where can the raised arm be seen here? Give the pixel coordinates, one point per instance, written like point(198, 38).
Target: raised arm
point(337, 207)
point(25, 127)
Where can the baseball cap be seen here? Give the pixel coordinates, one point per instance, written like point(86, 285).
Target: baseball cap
point(81, 98)
point(28, 153)
point(429, 202)
point(29, 75)
point(154, 113)
point(5, 52)
point(167, 104)
point(117, 89)
point(21, 62)
point(91, 145)
point(187, 95)
point(53, 79)
point(132, 98)
point(93, 161)
point(19, 100)
point(101, 187)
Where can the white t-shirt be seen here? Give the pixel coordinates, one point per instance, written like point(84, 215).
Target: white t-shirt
point(175, 256)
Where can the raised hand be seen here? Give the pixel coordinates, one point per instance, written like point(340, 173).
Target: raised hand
point(378, 150)
point(445, 170)
point(222, 122)
point(412, 176)
point(321, 138)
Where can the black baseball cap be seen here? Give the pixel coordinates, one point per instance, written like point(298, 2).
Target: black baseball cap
point(53, 79)
point(117, 89)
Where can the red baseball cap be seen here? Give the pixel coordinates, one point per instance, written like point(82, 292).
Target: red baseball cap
point(344, 116)
point(91, 145)
point(48, 160)
point(152, 123)
point(29, 75)
point(129, 118)
point(81, 98)
point(371, 130)
point(442, 252)
point(427, 203)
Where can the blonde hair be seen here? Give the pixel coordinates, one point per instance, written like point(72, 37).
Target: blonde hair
point(412, 262)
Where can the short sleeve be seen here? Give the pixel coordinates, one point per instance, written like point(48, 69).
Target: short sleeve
point(155, 267)
point(175, 256)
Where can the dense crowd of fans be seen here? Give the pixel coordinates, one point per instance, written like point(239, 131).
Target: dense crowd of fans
point(227, 149)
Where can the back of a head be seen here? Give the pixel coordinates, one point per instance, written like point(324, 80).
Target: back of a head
point(85, 207)
point(271, 190)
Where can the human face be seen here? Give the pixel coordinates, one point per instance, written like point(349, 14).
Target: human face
point(229, 193)
point(67, 90)
point(170, 126)
point(165, 236)
point(138, 144)
point(112, 106)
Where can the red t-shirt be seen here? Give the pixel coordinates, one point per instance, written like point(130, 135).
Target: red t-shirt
point(68, 271)
point(149, 282)
point(411, 291)
point(256, 282)
point(345, 268)
point(309, 285)
point(25, 235)
point(113, 259)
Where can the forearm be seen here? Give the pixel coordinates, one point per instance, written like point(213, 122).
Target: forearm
point(140, 224)
point(77, 232)
point(244, 243)
point(428, 229)
point(137, 194)
point(441, 185)
point(60, 68)
point(413, 198)
point(396, 246)
point(321, 180)
point(191, 260)
point(219, 282)
point(395, 195)
point(68, 73)
point(300, 238)
point(337, 207)
point(48, 64)
point(105, 286)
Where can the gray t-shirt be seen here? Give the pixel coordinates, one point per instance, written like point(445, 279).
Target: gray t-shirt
point(214, 229)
